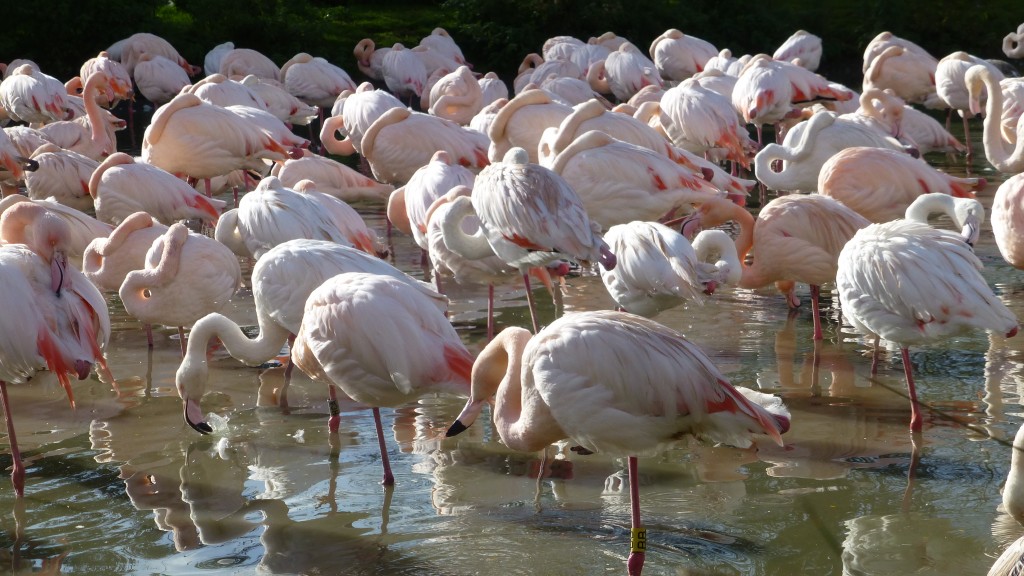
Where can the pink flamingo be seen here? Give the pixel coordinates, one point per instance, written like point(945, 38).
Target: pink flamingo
point(679, 56)
point(531, 217)
point(117, 75)
point(133, 47)
point(404, 73)
point(657, 268)
point(1013, 43)
point(457, 96)
point(951, 87)
point(1008, 220)
point(801, 48)
point(880, 184)
point(29, 95)
point(224, 92)
point(427, 184)
point(1004, 152)
point(362, 108)
point(910, 283)
point(62, 175)
point(340, 342)
point(624, 72)
point(82, 228)
point(700, 121)
point(56, 317)
point(315, 81)
point(521, 123)
point(280, 102)
point(370, 59)
point(552, 386)
point(241, 62)
point(159, 79)
point(108, 259)
point(794, 239)
point(331, 177)
point(91, 135)
point(186, 276)
point(908, 73)
point(282, 280)
point(121, 186)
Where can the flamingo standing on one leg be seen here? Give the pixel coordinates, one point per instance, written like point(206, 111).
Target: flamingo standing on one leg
point(910, 283)
point(282, 279)
point(531, 217)
point(54, 317)
point(383, 342)
point(553, 386)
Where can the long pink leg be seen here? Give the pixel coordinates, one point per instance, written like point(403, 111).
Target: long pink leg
point(389, 478)
point(17, 468)
point(529, 301)
point(815, 291)
point(915, 409)
point(638, 534)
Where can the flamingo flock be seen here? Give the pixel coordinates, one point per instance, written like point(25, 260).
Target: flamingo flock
point(600, 157)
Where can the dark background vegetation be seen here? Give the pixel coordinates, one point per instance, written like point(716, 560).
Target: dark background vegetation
point(495, 34)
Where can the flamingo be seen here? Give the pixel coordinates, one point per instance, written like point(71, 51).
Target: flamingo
point(362, 109)
point(91, 135)
point(457, 96)
point(158, 78)
point(678, 56)
point(133, 47)
point(915, 128)
point(29, 95)
point(315, 81)
point(768, 91)
point(280, 102)
point(426, 185)
point(794, 239)
point(624, 72)
point(331, 177)
point(1013, 43)
point(657, 268)
point(531, 217)
point(808, 145)
point(186, 276)
point(1008, 220)
point(370, 59)
point(63, 314)
point(726, 63)
point(62, 175)
point(121, 186)
point(522, 121)
point(404, 73)
point(222, 91)
point(1012, 559)
point(1005, 155)
point(211, 62)
point(282, 280)
point(381, 341)
point(699, 121)
point(535, 70)
point(190, 137)
point(555, 385)
point(909, 73)
point(108, 259)
point(441, 41)
point(801, 48)
point(241, 62)
point(273, 213)
point(880, 184)
point(117, 76)
point(951, 87)
point(619, 182)
point(910, 283)
point(401, 141)
point(492, 88)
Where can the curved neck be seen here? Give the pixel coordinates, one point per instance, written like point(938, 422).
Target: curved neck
point(469, 246)
point(997, 150)
point(93, 112)
point(137, 282)
point(192, 374)
point(708, 243)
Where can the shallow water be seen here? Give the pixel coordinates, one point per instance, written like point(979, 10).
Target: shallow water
point(122, 485)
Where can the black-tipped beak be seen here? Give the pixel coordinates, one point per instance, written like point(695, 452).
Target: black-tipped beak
point(201, 427)
point(28, 164)
point(455, 429)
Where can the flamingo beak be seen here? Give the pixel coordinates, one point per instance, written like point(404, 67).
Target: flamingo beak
point(58, 264)
point(194, 417)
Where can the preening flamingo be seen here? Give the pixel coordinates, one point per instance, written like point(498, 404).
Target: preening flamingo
point(362, 108)
point(619, 182)
point(331, 177)
point(108, 259)
point(91, 135)
point(370, 59)
point(657, 268)
point(678, 56)
point(62, 175)
point(880, 184)
point(190, 137)
point(383, 342)
point(701, 121)
point(951, 86)
point(121, 186)
point(1005, 154)
point(186, 276)
point(224, 92)
point(281, 281)
point(211, 62)
point(273, 213)
point(441, 41)
point(1008, 220)
point(910, 74)
point(158, 79)
point(427, 184)
point(315, 81)
point(240, 62)
point(531, 217)
point(492, 88)
point(801, 48)
point(133, 47)
point(404, 73)
point(29, 95)
point(82, 228)
point(522, 121)
point(794, 239)
point(56, 317)
point(401, 141)
point(280, 102)
point(457, 96)
point(570, 382)
point(117, 75)
point(910, 284)
point(624, 72)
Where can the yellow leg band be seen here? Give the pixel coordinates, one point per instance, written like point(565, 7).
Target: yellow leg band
point(638, 540)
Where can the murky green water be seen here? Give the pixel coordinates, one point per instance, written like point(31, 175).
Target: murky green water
point(122, 485)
